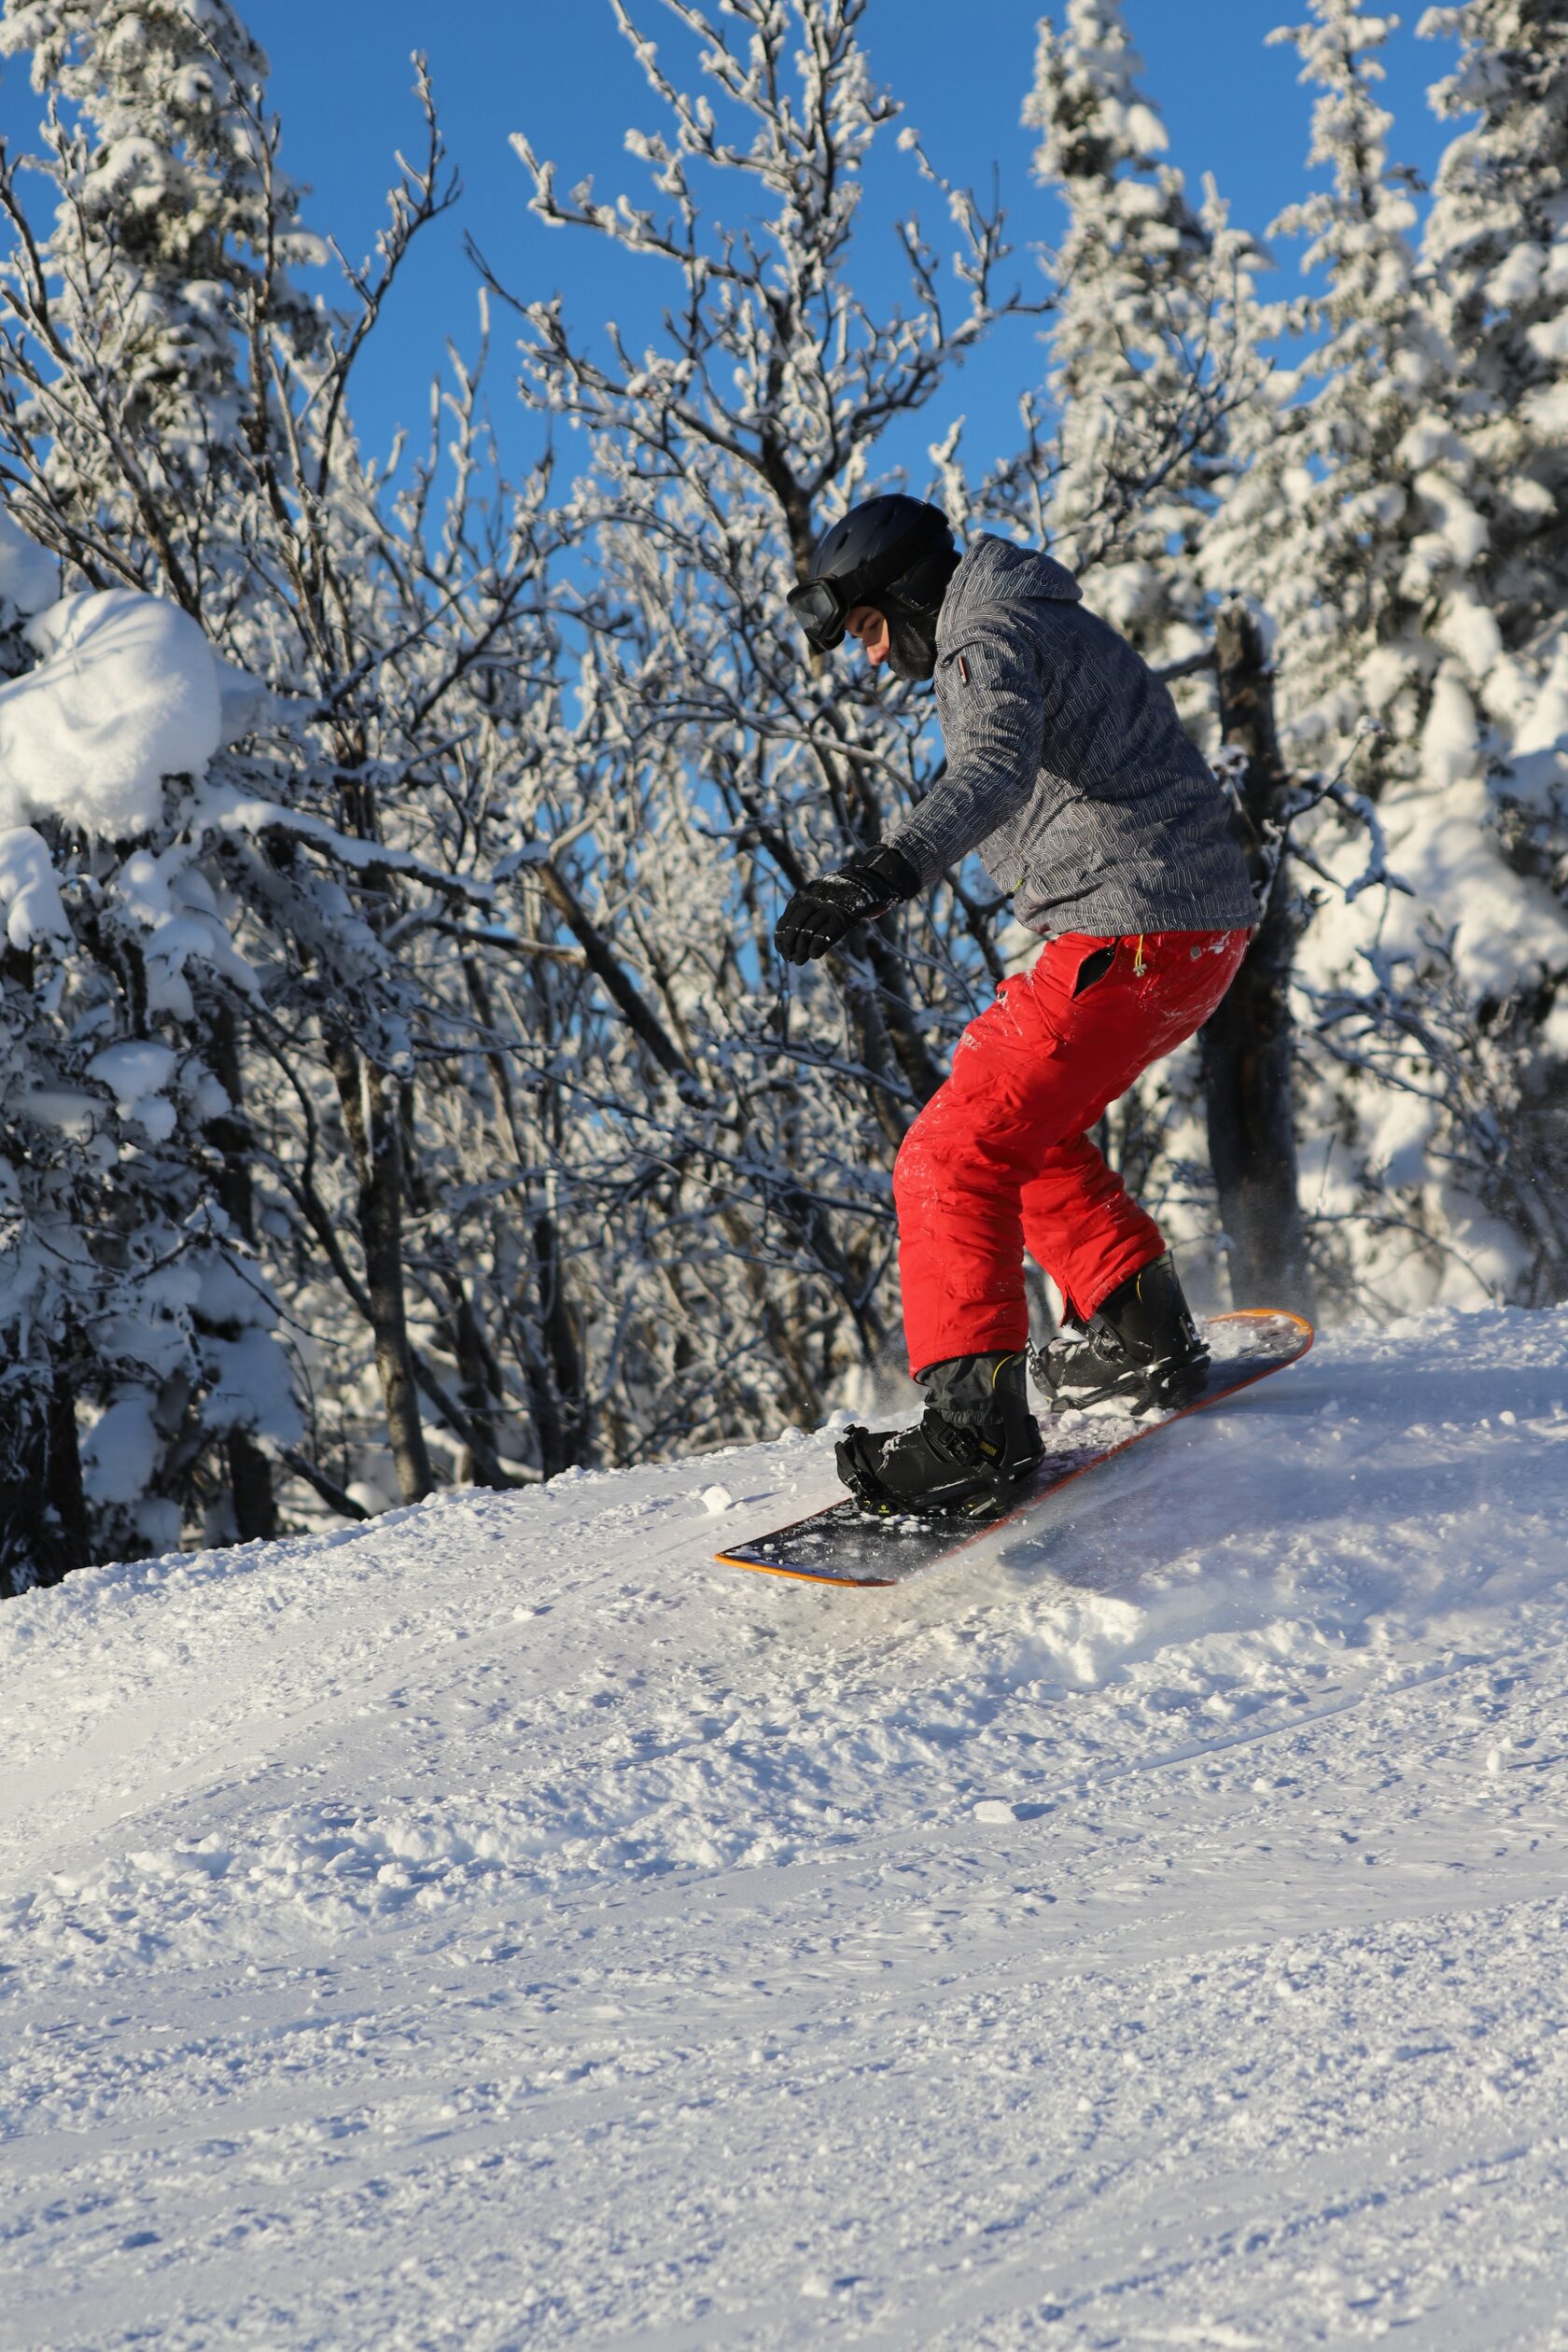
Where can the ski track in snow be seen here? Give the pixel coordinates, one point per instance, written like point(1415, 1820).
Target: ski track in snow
point(501, 1926)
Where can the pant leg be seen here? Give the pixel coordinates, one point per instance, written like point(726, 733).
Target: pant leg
point(1082, 1226)
point(1036, 1069)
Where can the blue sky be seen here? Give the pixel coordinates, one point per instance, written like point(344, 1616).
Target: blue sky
point(557, 70)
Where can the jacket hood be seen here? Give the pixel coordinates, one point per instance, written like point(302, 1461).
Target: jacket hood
point(994, 571)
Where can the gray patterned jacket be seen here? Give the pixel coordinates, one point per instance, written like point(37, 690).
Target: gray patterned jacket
point(1068, 769)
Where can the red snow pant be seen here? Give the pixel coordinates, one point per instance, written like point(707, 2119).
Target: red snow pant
point(1000, 1160)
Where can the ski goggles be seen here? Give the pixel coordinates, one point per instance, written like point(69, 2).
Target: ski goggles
point(822, 608)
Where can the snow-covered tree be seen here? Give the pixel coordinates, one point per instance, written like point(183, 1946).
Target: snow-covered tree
point(1496, 267)
point(172, 242)
point(1494, 275)
point(1153, 338)
point(1495, 270)
point(130, 1296)
point(1318, 523)
point(125, 407)
point(191, 437)
point(1359, 523)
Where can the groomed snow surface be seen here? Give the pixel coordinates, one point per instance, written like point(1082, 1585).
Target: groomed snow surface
point(501, 1926)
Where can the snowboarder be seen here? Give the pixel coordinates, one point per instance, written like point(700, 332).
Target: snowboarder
point(1069, 771)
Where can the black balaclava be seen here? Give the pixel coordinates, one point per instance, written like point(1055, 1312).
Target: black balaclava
point(912, 607)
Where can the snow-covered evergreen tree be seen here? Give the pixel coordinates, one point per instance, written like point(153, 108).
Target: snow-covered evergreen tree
point(126, 1285)
point(172, 240)
point(1495, 265)
point(128, 414)
point(1495, 276)
point(1373, 514)
point(1360, 522)
point(1318, 524)
point(190, 435)
point(1154, 336)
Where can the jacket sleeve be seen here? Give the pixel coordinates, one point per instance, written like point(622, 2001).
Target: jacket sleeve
point(990, 699)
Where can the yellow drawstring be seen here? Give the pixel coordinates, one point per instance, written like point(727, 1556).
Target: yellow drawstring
point(1138, 958)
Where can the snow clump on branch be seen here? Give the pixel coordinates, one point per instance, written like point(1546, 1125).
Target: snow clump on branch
point(127, 693)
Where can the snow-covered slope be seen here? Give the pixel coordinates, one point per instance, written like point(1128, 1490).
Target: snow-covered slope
point(500, 1927)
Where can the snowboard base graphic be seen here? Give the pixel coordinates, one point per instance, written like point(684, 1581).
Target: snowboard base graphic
point(844, 1545)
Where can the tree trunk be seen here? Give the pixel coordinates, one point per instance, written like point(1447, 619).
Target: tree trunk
point(250, 1485)
point(1248, 1046)
point(559, 1395)
point(370, 1115)
point(43, 1510)
point(479, 1389)
point(251, 1471)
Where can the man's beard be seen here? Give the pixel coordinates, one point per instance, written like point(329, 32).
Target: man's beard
point(911, 644)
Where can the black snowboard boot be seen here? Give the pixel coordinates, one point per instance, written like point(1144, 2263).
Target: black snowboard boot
point(975, 1443)
point(1140, 1346)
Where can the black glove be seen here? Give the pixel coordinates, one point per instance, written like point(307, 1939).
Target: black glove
point(818, 916)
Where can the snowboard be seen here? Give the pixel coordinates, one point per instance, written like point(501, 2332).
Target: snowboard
point(843, 1545)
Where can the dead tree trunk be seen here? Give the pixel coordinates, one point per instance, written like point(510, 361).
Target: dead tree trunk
point(1248, 1047)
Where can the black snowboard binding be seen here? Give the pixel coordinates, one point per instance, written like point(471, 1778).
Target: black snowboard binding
point(975, 1444)
point(1140, 1346)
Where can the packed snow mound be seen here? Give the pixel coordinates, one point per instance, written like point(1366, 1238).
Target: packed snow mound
point(128, 692)
point(502, 1926)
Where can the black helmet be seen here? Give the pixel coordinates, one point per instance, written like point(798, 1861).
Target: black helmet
point(889, 550)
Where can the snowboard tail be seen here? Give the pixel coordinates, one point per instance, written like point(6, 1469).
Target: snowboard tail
point(846, 1546)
